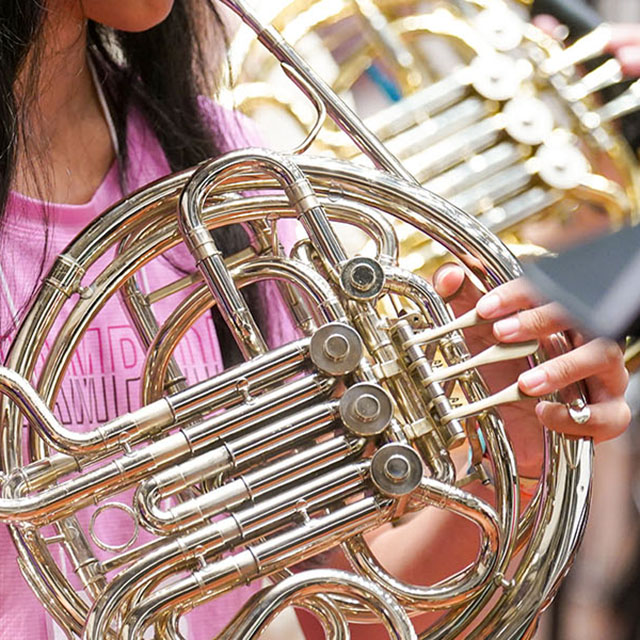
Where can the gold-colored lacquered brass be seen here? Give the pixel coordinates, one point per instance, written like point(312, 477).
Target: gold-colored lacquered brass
point(480, 106)
point(300, 448)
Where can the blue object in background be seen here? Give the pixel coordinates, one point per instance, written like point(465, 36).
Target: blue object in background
point(388, 86)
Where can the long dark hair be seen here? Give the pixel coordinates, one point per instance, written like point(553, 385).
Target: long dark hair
point(161, 72)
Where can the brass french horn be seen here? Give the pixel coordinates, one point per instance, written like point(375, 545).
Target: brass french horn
point(480, 106)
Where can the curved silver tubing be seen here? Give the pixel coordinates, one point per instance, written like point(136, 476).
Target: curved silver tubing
point(416, 199)
point(461, 587)
point(209, 258)
point(249, 523)
point(313, 536)
point(331, 499)
point(204, 397)
point(234, 456)
point(247, 487)
point(296, 589)
point(340, 113)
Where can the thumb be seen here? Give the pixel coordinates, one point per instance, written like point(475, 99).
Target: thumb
point(448, 279)
point(452, 284)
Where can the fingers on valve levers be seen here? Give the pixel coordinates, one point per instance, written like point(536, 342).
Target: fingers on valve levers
point(518, 315)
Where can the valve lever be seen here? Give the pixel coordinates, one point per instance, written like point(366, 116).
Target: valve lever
point(496, 353)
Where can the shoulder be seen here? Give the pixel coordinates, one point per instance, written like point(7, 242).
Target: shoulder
point(237, 130)
point(146, 159)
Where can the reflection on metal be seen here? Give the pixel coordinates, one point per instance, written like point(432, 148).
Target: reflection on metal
point(298, 449)
point(479, 105)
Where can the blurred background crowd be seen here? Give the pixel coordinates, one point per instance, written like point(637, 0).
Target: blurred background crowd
point(619, 10)
point(600, 600)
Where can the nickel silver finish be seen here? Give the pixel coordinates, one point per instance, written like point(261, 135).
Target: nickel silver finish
point(366, 409)
point(579, 411)
point(396, 470)
point(336, 349)
point(299, 449)
point(362, 278)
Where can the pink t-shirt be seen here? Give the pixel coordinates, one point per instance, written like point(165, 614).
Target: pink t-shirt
point(102, 381)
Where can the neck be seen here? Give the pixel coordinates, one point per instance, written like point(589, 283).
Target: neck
point(65, 126)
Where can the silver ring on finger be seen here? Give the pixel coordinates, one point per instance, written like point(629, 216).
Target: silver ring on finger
point(579, 411)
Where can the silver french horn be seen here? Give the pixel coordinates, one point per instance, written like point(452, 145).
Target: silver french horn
point(301, 448)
